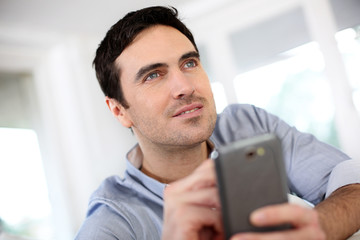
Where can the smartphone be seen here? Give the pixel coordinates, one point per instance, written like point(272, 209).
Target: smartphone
point(250, 174)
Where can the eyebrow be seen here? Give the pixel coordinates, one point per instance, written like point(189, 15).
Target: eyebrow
point(192, 54)
point(148, 68)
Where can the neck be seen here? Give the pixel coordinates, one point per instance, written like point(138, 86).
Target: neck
point(168, 165)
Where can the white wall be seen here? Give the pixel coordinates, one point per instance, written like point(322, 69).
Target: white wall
point(81, 143)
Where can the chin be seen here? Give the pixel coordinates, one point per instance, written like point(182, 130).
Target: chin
point(200, 137)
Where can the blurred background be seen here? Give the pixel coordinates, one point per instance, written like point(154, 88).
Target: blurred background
point(299, 59)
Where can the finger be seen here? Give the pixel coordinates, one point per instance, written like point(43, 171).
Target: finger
point(205, 217)
point(296, 215)
point(207, 197)
point(310, 232)
point(193, 219)
point(207, 233)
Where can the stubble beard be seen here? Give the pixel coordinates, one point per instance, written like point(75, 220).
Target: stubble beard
point(184, 138)
point(167, 137)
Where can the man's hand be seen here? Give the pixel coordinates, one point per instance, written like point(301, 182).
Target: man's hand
point(192, 206)
point(192, 211)
point(305, 222)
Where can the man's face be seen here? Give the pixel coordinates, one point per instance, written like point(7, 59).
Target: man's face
point(168, 91)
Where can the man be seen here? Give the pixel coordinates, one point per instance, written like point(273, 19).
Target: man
point(149, 68)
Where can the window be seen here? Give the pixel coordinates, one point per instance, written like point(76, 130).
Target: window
point(25, 209)
point(294, 89)
point(349, 46)
point(219, 96)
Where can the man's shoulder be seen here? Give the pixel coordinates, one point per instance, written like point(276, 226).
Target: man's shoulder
point(118, 207)
point(235, 113)
point(239, 121)
point(105, 217)
point(124, 196)
point(113, 191)
point(235, 107)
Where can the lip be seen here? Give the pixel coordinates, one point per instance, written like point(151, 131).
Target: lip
point(188, 108)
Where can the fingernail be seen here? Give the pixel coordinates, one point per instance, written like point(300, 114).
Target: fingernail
point(258, 217)
point(239, 238)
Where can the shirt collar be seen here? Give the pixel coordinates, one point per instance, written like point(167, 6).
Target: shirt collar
point(133, 165)
point(134, 160)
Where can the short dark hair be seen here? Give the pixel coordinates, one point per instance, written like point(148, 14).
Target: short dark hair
point(120, 35)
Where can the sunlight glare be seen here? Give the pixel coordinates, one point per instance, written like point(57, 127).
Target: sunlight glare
point(23, 187)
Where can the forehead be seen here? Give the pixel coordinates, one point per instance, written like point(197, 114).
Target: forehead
point(158, 44)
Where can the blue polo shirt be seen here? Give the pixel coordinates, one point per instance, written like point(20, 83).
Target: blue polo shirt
point(131, 207)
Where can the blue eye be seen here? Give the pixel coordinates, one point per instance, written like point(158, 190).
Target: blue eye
point(152, 76)
point(190, 64)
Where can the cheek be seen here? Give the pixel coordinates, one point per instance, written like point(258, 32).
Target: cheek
point(204, 85)
point(151, 101)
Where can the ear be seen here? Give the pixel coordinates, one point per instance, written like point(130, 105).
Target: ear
point(119, 112)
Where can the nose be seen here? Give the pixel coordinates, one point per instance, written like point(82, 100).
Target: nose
point(181, 85)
